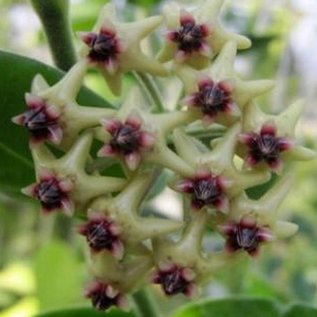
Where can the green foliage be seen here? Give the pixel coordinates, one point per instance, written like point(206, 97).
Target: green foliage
point(243, 307)
point(85, 312)
point(230, 308)
point(300, 311)
point(57, 276)
point(13, 139)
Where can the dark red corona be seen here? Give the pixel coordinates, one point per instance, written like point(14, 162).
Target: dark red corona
point(102, 234)
point(205, 189)
point(41, 120)
point(128, 140)
point(212, 99)
point(190, 37)
point(265, 146)
point(245, 235)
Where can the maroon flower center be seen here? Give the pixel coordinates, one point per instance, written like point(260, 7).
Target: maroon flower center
point(126, 139)
point(206, 191)
point(190, 36)
point(104, 47)
point(100, 300)
point(98, 235)
point(212, 99)
point(38, 122)
point(246, 238)
point(173, 282)
point(50, 194)
point(245, 235)
point(265, 147)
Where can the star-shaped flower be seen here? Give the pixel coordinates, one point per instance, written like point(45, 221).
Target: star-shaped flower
point(175, 279)
point(102, 234)
point(104, 296)
point(269, 138)
point(114, 280)
point(254, 221)
point(63, 183)
point(122, 212)
point(194, 37)
point(245, 235)
point(128, 140)
point(41, 120)
point(205, 189)
point(114, 47)
point(135, 136)
point(265, 210)
point(181, 266)
point(216, 178)
point(53, 114)
point(265, 147)
point(217, 93)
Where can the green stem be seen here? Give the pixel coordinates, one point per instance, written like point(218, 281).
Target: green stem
point(54, 15)
point(145, 304)
point(148, 84)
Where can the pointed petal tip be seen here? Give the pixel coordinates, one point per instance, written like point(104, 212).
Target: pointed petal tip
point(106, 151)
point(117, 250)
point(68, 207)
point(19, 119)
point(56, 134)
point(132, 160)
point(29, 190)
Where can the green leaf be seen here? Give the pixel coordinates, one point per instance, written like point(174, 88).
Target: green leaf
point(16, 74)
point(300, 311)
point(86, 312)
point(58, 276)
point(234, 307)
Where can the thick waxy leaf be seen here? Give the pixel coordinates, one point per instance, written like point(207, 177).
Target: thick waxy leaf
point(16, 74)
point(300, 311)
point(85, 312)
point(244, 307)
point(230, 308)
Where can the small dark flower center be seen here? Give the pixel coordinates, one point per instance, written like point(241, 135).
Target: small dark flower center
point(246, 238)
point(265, 147)
point(104, 47)
point(38, 122)
point(126, 139)
point(100, 300)
point(98, 235)
point(189, 37)
point(50, 194)
point(212, 99)
point(173, 282)
point(206, 191)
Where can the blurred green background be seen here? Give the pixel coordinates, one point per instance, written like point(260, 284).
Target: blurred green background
point(42, 262)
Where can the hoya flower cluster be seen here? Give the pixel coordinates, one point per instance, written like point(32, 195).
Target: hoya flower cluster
point(127, 249)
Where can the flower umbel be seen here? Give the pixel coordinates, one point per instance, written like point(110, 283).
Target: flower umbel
point(154, 139)
point(265, 146)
